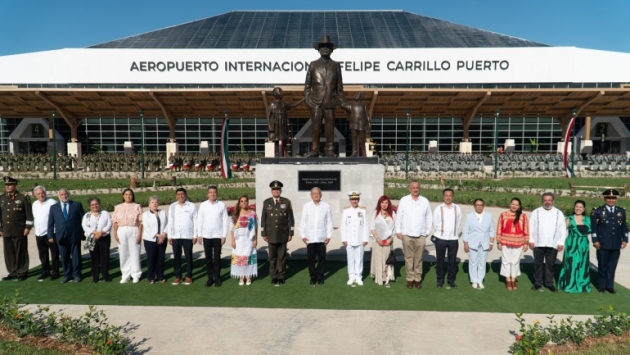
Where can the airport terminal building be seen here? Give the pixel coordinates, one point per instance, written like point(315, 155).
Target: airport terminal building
point(445, 83)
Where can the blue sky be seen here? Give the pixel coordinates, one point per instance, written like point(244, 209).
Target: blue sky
point(38, 25)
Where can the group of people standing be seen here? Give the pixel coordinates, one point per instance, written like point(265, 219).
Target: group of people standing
point(60, 227)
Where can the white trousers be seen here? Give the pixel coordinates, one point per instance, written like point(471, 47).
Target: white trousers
point(477, 264)
point(511, 261)
point(355, 261)
point(129, 252)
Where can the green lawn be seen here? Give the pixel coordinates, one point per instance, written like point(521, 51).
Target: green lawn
point(14, 348)
point(334, 294)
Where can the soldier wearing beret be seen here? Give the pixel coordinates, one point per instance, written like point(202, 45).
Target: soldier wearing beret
point(16, 216)
point(277, 229)
point(610, 235)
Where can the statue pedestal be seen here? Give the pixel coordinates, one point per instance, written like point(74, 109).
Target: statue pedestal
point(509, 146)
point(335, 176)
point(74, 149)
point(465, 147)
point(204, 147)
point(560, 147)
point(171, 148)
point(433, 146)
point(128, 145)
point(270, 150)
point(586, 147)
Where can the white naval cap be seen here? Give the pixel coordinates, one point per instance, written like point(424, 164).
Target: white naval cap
point(354, 195)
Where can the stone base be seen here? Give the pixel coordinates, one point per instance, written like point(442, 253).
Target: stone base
point(586, 147)
point(433, 146)
point(509, 146)
point(465, 148)
point(367, 178)
point(560, 147)
point(171, 148)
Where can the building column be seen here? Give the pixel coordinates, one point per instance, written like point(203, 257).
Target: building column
point(587, 128)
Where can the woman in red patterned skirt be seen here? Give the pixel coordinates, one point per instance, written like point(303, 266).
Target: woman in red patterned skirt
point(512, 239)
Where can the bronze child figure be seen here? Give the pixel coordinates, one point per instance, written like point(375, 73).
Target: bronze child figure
point(278, 121)
point(359, 122)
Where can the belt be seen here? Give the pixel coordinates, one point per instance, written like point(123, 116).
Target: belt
point(43, 236)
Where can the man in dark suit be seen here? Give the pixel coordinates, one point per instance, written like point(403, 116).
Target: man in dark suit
point(323, 86)
point(276, 228)
point(610, 235)
point(16, 217)
point(64, 224)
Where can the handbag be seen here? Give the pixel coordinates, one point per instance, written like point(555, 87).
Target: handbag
point(90, 243)
point(391, 259)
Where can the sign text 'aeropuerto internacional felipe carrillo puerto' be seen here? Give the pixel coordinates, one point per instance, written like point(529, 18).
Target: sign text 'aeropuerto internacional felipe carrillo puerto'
point(288, 66)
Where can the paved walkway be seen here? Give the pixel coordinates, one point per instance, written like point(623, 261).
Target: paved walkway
point(208, 330)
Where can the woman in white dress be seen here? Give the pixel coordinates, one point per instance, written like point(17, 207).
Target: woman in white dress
point(244, 231)
point(383, 231)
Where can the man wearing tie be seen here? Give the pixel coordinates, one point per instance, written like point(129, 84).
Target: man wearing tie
point(276, 228)
point(610, 235)
point(64, 224)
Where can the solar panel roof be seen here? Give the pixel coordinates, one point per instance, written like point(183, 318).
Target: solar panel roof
point(300, 29)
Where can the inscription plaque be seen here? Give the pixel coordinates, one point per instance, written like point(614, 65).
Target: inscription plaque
point(329, 180)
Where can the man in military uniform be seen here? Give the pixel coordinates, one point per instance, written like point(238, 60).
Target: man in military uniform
point(610, 235)
point(355, 233)
point(276, 228)
point(16, 216)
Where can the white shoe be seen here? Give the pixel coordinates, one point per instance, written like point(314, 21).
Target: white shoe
point(241, 283)
point(350, 282)
point(474, 285)
point(359, 282)
point(136, 281)
point(481, 286)
point(124, 281)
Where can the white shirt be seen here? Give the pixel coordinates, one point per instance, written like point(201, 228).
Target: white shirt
point(413, 218)
point(40, 213)
point(354, 226)
point(101, 222)
point(447, 222)
point(547, 228)
point(316, 222)
point(212, 220)
point(182, 220)
point(150, 225)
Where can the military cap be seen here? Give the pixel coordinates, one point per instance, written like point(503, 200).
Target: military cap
point(354, 195)
point(276, 185)
point(611, 193)
point(9, 180)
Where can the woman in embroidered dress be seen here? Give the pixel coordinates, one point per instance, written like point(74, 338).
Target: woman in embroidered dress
point(96, 227)
point(244, 241)
point(383, 231)
point(512, 239)
point(575, 275)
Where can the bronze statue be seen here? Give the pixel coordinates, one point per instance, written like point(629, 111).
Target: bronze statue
point(278, 121)
point(322, 89)
point(359, 122)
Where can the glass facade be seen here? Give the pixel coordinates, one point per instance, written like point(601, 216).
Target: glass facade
point(530, 134)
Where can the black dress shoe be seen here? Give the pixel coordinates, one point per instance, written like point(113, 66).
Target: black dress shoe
point(21, 278)
point(536, 288)
point(209, 283)
point(218, 283)
point(601, 290)
point(9, 277)
point(274, 281)
point(54, 277)
point(611, 290)
point(452, 284)
point(66, 280)
point(312, 282)
point(94, 281)
point(107, 279)
point(281, 281)
point(553, 289)
point(41, 278)
point(438, 285)
point(321, 282)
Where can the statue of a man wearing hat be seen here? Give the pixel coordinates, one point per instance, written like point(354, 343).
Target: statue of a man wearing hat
point(322, 89)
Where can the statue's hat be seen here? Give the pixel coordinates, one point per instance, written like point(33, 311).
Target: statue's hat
point(325, 41)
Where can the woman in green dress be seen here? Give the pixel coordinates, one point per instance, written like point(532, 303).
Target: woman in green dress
point(575, 274)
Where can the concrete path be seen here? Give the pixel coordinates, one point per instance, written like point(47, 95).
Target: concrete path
point(193, 330)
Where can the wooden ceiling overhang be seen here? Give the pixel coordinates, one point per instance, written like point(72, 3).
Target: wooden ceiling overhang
point(173, 104)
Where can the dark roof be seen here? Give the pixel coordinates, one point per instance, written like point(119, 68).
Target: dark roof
point(300, 29)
